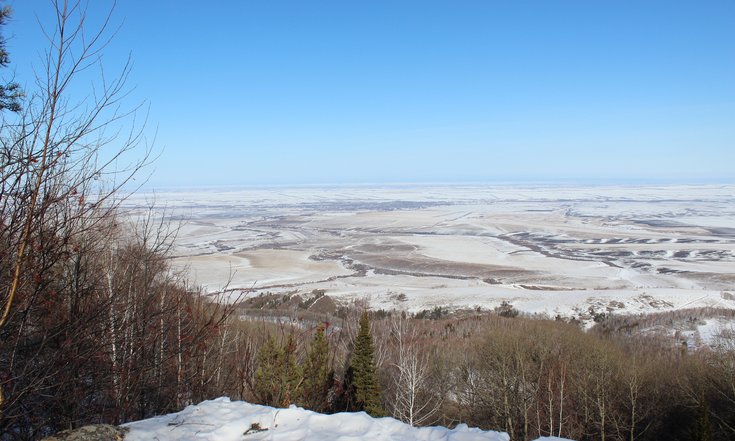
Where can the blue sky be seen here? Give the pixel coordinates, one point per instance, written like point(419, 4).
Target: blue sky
point(297, 92)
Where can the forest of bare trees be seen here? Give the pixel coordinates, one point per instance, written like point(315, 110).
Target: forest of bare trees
point(526, 376)
point(93, 327)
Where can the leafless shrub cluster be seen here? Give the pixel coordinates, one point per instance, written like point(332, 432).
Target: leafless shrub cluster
point(532, 377)
point(527, 376)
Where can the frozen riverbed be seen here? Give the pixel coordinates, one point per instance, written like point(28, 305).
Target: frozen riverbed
point(553, 250)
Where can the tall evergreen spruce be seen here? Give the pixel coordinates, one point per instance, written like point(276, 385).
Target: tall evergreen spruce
point(317, 374)
point(268, 375)
point(293, 373)
point(364, 379)
point(279, 378)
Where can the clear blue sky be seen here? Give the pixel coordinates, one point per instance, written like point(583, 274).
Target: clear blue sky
point(303, 92)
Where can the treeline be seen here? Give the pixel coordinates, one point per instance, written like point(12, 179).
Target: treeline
point(100, 332)
point(525, 376)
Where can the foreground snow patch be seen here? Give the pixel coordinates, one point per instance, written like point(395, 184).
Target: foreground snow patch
point(225, 420)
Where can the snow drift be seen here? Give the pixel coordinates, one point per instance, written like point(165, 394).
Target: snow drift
point(225, 420)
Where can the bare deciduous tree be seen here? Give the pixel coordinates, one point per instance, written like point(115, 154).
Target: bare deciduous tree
point(62, 165)
point(93, 325)
point(414, 403)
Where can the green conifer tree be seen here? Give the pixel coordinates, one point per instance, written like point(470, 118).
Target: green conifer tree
point(279, 378)
point(317, 374)
point(293, 378)
point(10, 93)
point(268, 375)
point(364, 383)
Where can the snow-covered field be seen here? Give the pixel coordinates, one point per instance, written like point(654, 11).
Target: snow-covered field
point(225, 420)
point(552, 250)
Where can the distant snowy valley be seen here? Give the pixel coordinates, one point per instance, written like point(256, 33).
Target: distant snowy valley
point(574, 252)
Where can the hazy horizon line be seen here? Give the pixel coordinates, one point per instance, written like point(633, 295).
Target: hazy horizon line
point(574, 182)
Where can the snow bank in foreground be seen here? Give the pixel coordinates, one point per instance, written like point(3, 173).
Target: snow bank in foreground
point(224, 420)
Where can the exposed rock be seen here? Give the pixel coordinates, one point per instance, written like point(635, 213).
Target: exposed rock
point(96, 432)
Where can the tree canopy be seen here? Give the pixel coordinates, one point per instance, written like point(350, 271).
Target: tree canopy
point(364, 377)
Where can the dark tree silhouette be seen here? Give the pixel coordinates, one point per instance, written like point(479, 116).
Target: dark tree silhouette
point(10, 93)
point(362, 373)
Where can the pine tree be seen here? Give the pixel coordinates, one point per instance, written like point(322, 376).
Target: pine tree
point(268, 375)
point(279, 378)
point(10, 94)
point(362, 374)
point(293, 378)
point(317, 374)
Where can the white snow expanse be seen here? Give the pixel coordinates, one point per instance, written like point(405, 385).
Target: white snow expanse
point(225, 420)
point(550, 250)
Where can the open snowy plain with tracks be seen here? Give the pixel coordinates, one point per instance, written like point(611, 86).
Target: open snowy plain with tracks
point(570, 251)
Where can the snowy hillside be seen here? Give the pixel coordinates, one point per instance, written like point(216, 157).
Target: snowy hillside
point(225, 420)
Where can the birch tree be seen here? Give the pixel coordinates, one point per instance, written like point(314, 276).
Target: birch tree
point(413, 402)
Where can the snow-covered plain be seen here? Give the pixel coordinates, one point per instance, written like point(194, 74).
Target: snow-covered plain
point(551, 250)
point(225, 420)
